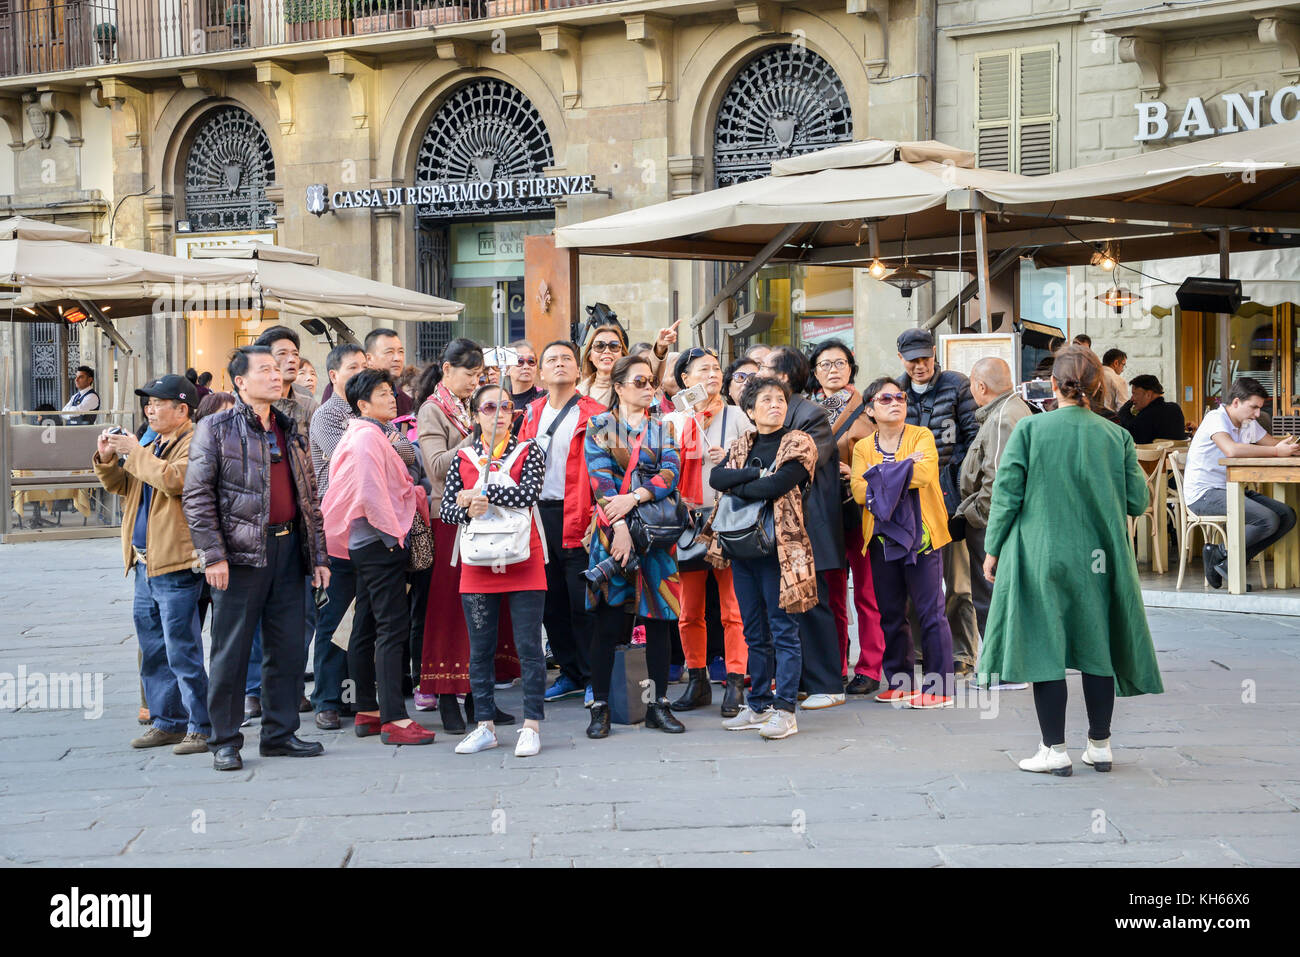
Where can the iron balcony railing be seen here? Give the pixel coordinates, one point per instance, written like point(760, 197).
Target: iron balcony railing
point(42, 36)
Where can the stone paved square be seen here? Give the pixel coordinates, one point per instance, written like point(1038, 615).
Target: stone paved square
point(1206, 774)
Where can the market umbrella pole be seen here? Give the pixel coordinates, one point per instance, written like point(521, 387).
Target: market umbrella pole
point(1225, 327)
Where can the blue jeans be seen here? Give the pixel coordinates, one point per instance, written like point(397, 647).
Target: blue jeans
point(771, 633)
point(331, 661)
point(166, 612)
point(481, 614)
point(253, 685)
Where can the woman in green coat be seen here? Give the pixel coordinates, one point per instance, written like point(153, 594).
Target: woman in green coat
point(1066, 591)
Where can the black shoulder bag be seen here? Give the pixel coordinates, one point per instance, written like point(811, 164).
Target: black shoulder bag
point(850, 510)
point(658, 523)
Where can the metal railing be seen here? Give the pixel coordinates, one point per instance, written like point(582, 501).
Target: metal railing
point(42, 36)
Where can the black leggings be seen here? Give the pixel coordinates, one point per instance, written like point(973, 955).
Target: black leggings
point(613, 628)
point(1049, 702)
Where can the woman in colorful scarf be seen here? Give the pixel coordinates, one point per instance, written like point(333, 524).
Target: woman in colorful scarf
point(895, 474)
point(834, 370)
point(445, 426)
point(619, 442)
point(771, 464)
point(368, 511)
point(706, 432)
point(472, 486)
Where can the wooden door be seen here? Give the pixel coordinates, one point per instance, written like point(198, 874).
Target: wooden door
point(45, 37)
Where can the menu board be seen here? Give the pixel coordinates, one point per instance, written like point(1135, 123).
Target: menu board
point(961, 352)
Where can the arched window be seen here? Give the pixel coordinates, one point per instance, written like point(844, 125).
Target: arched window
point(227, 171)
point(785, 101)
point(486, 130)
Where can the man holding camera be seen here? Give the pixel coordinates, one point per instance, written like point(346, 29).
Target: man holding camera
point(156, 543)
point(251, 504)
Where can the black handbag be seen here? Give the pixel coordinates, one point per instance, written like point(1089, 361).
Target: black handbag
point(745, 528)
point(658, 523)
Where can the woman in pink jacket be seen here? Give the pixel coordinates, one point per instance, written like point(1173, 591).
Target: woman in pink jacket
point(368, 510)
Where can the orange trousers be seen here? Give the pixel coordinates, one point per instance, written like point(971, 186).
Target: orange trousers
point(694, 632)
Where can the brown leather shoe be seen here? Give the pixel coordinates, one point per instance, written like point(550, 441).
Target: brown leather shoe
point(328, 720)
point(154, 738)
point(194, 743)
point(304, 706)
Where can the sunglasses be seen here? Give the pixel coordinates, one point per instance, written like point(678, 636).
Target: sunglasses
point(742, 376)
point(607, 345)
point(276, 453)
point(888, 398)
point(640, 382)
point(528, 361)
point(491, 408)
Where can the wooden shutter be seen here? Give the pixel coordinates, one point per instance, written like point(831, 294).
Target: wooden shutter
point(1016, 110)
point(993, 110)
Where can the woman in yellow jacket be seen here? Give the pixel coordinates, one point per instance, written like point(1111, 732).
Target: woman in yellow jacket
point(904, 524)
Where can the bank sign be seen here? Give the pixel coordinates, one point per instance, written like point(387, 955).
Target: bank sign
point(505, 194)
point(1240, 111)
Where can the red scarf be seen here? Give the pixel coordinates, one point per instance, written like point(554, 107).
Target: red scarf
point(694, 447)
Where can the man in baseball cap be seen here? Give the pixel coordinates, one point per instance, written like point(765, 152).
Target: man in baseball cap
point(1148, 415)
point(156, 544)
point(916, 344)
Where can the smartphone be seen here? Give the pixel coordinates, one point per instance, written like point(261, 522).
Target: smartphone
point(321, 597)
point(115, 430)
point(500, 357)
point(1036, 390)
point(687, 399)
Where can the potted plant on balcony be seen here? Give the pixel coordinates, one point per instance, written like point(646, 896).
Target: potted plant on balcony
point(380, 16)
point(237, 21)
point(506, 8)
point(431, 12)
point(106, 41)
point(333, 18)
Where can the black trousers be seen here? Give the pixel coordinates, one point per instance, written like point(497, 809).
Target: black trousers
point(381, 627)
point(1050, 699)
point(821, 645)
point(419, 602)
point(569, 626)
point(981, 590)
point(274, 597)
point(614, 628)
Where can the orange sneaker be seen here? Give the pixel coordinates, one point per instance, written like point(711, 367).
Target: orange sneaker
point(896, 694)
point(142, 717)
point(929, 701)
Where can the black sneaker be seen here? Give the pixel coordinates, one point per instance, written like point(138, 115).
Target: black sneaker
point(1208, 556)
point(861, 684)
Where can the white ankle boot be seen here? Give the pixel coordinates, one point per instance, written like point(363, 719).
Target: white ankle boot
point(1097, 755)
point(1054, 759)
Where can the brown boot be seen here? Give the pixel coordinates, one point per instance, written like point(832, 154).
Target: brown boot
point(194, 743)
point(154, 738)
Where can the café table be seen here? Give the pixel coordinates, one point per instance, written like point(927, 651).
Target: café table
point(1283, 474)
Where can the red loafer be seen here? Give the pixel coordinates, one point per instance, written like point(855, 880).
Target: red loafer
point(366, 724)
point(411, 734)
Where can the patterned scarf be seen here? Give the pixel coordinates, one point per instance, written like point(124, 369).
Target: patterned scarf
point(454, 408)
point(794, 552)
point(834, 403)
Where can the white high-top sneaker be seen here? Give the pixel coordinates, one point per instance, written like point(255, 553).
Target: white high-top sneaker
point(1097, 755)
point(1054, 759)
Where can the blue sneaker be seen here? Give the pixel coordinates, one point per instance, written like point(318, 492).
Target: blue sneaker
point(564, 687)
point(675, 673)
point(718, 671)
point(588, 698)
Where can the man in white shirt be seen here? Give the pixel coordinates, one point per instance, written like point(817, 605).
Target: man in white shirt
point(85, 399)
point(1231, 431)
point(1115, 390)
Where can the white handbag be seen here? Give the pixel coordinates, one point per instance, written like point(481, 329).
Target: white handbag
point(502, 536)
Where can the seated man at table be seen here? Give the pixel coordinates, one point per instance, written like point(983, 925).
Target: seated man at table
point(1231, 431)
point(1148, 416)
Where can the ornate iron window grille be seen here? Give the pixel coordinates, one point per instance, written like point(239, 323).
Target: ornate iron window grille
point(786, 101)
point(227, 171)
point(486, 130)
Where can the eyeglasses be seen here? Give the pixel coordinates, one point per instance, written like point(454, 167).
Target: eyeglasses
point(640, 381)
point(742, 376)
point(827, 365)
point(607, 345)
point(888, 398)
point(491, 408)
point(527, 361)
point(276, 454)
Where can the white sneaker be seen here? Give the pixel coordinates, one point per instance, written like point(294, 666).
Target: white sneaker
point(817, 701)
point(1097, 755)
point(480, 739)
point(1054, 759)
point(748, 719)
point(1007, 686)
point(781, 724)
point(530, 743)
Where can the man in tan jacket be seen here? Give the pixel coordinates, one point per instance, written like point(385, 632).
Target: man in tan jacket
point(156, 543)
point(999, 410)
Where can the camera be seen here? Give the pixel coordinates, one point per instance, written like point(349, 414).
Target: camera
point(607, 569)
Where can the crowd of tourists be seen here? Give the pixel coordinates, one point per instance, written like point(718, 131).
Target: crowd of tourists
point(504, 511)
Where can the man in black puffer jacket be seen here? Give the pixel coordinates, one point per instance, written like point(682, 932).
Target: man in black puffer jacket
point(250, 501)
point(941, 401)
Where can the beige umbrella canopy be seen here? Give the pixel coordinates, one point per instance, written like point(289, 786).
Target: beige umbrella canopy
point(20, 227)
point(289, 281)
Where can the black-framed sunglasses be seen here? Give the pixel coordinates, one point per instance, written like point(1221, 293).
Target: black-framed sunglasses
point(607, 345)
